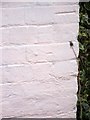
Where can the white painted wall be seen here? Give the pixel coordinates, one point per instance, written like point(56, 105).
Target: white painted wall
point(38, 67)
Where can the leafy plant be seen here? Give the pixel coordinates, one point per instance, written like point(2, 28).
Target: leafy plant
point(83, 104)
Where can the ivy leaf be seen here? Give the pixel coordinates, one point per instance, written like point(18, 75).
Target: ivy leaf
point(87, 6)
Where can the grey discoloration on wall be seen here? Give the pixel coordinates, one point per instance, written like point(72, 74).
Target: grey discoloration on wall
point(38, 67)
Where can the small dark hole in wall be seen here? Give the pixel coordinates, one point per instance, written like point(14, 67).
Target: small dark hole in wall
point(38, 119)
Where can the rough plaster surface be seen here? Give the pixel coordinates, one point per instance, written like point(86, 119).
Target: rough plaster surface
point(38, 68)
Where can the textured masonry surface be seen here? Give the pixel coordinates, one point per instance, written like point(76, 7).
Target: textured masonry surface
point(38, 68)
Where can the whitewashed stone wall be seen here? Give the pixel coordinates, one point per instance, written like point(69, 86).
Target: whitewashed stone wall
point(38, 67)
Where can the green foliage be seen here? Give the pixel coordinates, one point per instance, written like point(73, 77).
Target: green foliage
point(83, 104)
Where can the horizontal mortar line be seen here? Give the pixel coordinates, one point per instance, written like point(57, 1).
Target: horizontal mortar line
point(49, 61)
point(68, 12)
point(41, 80)
point(34, 63)
point(63, 12)
point(39, 5)
point(36, 44)
point(26, 24)
point(36, 25)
